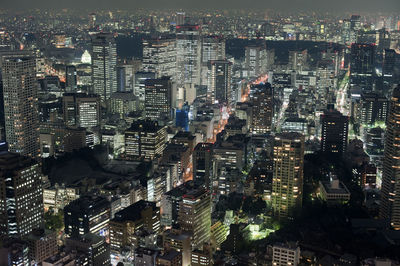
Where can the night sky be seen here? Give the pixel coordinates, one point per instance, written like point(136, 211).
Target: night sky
point(280, 5)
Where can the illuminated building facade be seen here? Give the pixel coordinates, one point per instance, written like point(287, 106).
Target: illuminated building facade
point(287, 182)
point(21, 202)
point(145, 139)
point(82, 110)
point(104, 65)
point(262, 99)
point(158, 99)
point(220, 81)
point(87, 215)
point(159, 56)
point(21, 105)
point(390, 192)
point(194, 216)
point(334, 131)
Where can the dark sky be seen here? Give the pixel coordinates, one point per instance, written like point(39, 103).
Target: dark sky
point(279, 5)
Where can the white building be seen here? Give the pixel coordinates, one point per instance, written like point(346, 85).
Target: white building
point(285, 254)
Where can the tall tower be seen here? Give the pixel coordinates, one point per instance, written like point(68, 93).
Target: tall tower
point(287, 182)
point(334, 132)
point(362, 60)
point(194, 216)
point(104, 65)
point(220, 81)
point(21, 105)
point(188, 48)
point(158, 98)
point(263, 111)
point(70, 79)
point(390, 193)
point(159, 56)
point(21, 200)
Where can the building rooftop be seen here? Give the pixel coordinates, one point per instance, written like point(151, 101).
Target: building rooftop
point(134, 211)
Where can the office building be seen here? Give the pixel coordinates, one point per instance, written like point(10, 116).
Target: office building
point(22, 195)
point(158, 99)
point(170, 258)
point(92, 249)
point(389, 62)
point(81, 110)
point(142, 215)
point(14, 251)
point(202, 163)
point(159, 56)
point(287, 182)
point(88, 214)
point(104, 65)
point(124, 103)
point(362, 69)
point(42, 244)
point(334, 131)
point(333, 191)
point(180, 242)
point(262, 99)
point(213, 48)
point(220, 81)
point(390, 197)
point(285, 254)
point(374, 107)
point(188, 59)
point(145, 139)
point(70, 79)
point(139, 88)
point(21, 105)
point(255, 60)
point(194, 216)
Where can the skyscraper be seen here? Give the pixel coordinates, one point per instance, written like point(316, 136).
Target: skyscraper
point(374, 107)
point(390, 192)
point(188, 48)
point(70, 79)
point(202, 163)
point(262, 99)
point(334, 131)
point(104, 65)
point(194, 216)
point(21, 202)
point(287, 182)
point(82, 110)
point(255, 57)
point(145, 139)
point(220, 81)
point(213, 48)
point(159, 56)
point(21, 105)
point(362, 60)
point(158, 98)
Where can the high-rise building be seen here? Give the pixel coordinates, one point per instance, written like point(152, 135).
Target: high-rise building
point(194, 216)
point(202, 163)
point(262, 99)
point(92, 248)
point(374, 107)
point(362, 69)
point(334, 131)
point(124, 103)
point(88, 214)
point(140, 79)
point(355, 27)
point(104, 65)
point(389, 63)
point(145, 139)
point(82, 110)
point(213, 48)
point(159, 56)
point(390, 192)
point(220, 81)
point(21, 105)
point(42, 245)
point(140, 215)
point(255, 57)
point(158, 99)
point(70, 79)
point(188, 59)
point(21, 200)
point(287, 182)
